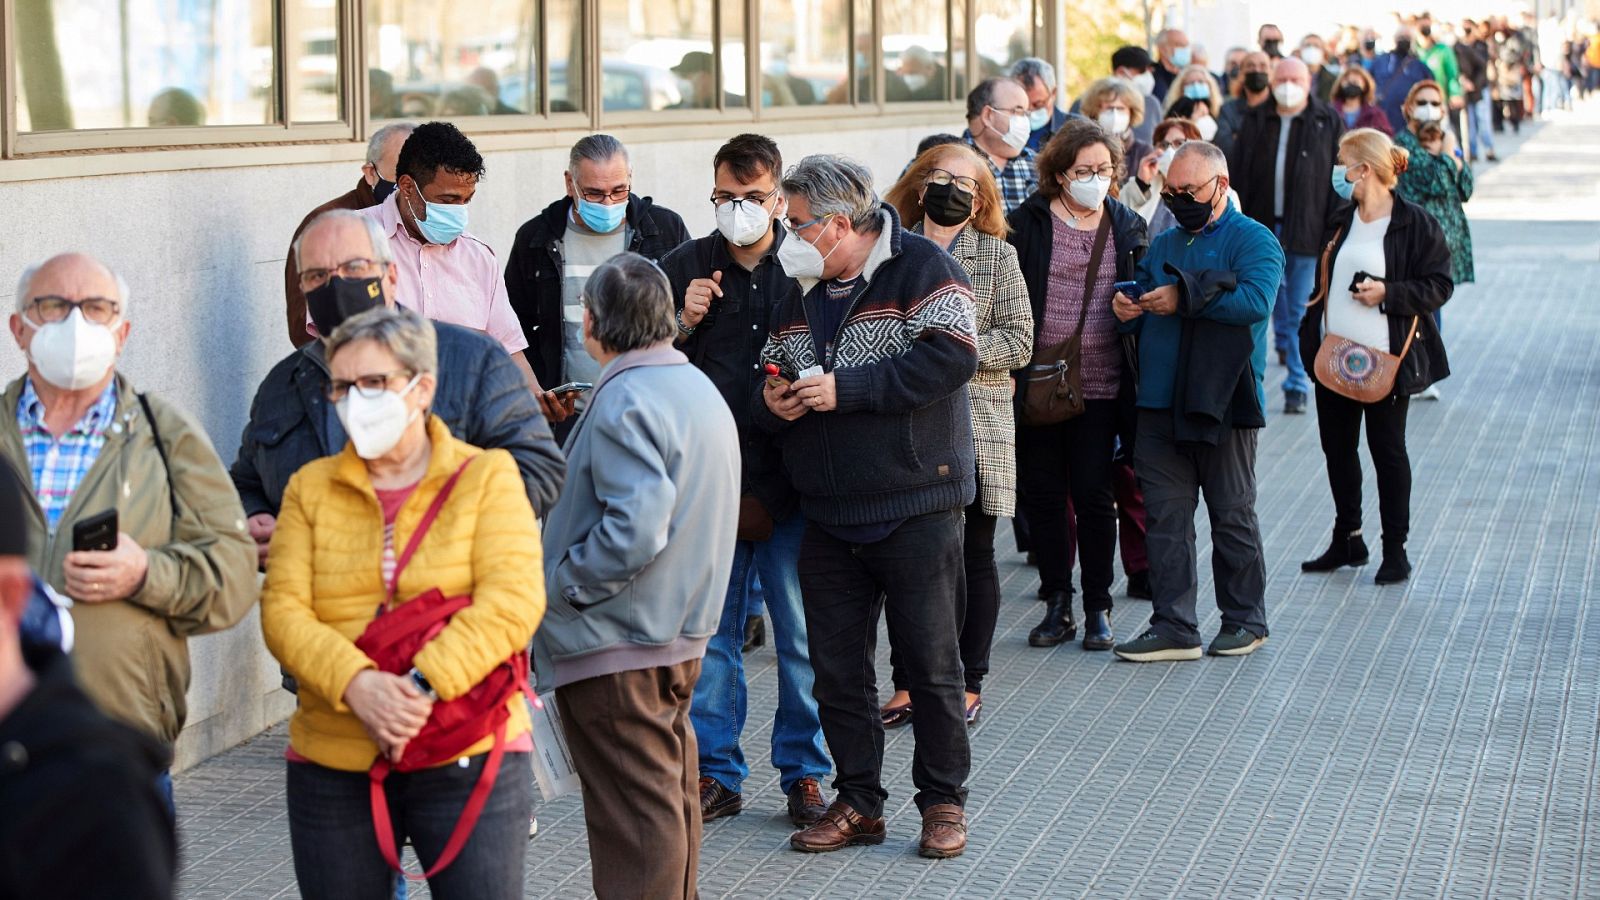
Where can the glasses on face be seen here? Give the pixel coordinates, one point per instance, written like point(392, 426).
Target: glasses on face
point(99, 310)
point(1421, 103)
point(369, 386)
point(940, 176)
point(723, 198)
point(792, 228)
point(1173, 144)
point(1188, 193)
point(1084, 173)
point(1013, 111)
point(616, 195)
point(360, 267)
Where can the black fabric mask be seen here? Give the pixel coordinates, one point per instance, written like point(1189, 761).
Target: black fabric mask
point(340, 298)
point(947, 204)
point(382, 189)
point(1402, 47)
point(1256, 82)
point(1369, 46)
point(1192, 215)
point(1426, 31)
point(1270, 48)
point(1349, 91)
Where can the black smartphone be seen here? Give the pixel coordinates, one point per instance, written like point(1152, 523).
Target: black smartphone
point(1129, 289)
point(98, 532)
point(572, 387)
point(1359, 277)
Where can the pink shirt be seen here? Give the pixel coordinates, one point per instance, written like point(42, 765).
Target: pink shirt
point(458, 283)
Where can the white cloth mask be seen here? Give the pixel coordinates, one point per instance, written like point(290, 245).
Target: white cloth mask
point(1089, 194)
point(1207, 126)
point(1017, 132)
point(801, 259)
point(1145, 82)
point(1114, 121)
point(72, 354)
point(376, 424)
point(1165, 162)
point(1290, 95)
point(743, 222)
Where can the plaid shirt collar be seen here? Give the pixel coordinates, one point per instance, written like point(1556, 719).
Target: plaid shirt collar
point(30, 411)
point(1018, 179)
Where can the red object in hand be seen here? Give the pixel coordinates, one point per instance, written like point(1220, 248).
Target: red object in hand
point(773, 370)
point(775, 375)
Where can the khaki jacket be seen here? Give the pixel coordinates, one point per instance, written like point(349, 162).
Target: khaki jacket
point(132, 656)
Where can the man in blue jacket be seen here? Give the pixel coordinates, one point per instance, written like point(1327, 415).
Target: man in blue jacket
point(1208, 286)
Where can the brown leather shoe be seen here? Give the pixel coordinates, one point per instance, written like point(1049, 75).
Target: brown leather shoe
point(839, 827)
point(806, 805)
point(717, 801)
point(944, 831)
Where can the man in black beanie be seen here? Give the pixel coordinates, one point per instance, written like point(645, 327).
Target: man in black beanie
point(84, 817)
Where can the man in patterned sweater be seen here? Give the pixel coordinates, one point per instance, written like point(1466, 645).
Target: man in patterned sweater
point(874, 348)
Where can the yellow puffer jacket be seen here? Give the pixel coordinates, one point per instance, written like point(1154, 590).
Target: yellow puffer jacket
point(324, 585)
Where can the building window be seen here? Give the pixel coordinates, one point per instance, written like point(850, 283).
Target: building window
point(805, 52)
point(426, 60)
point(314, 61)
point(657, 54)
point(916, 51)
point(1002, 33)
point(92, 64)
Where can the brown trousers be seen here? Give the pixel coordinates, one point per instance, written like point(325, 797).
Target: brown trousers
point(634, 749)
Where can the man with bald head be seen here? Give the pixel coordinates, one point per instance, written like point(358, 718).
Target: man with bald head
point(1282, 161)
point(344, 265)
point(1201, 321)
point(129, 511)
point(998, 128)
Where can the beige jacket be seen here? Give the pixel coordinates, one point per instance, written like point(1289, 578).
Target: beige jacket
point(132, 657)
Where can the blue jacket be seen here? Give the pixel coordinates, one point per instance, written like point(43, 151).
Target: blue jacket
point(638, 551)
point(482, 397)
point(1233, 243)
point(1395, 76)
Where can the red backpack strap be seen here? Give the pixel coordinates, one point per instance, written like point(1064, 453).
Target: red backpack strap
point(384, 828)
point(422, 528)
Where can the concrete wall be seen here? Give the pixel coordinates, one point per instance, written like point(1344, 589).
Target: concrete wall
point(203, 252)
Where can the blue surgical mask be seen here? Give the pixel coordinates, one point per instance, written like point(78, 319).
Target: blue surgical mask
point(445, 221)
point(1181, 56)
point(1039, 118)
point(600, 218)
point(1197, 90)
point(1341, 185)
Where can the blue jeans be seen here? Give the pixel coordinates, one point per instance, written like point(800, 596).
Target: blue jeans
point(1478, 126)
point(1293, 292)
point(718, 709)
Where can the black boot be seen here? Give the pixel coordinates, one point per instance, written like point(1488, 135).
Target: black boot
point(1057, 627)
point(1396, 567)
point(1097, 630)
point(1346, 550)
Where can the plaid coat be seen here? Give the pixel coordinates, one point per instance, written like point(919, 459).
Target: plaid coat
point(1005, 342)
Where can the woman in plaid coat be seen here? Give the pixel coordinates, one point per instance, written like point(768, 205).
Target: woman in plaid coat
point(952, 197)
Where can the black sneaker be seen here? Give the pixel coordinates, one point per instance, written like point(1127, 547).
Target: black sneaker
point(1236, 641)
point(1294, 403)
point(1152, 647)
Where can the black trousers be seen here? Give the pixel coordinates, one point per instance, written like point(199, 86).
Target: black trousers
point(1072, 459)
point(916, 576)
point(1339, 421)
point(983, 604)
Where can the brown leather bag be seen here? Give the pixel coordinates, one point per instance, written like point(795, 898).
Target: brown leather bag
point(1362, 373)
point(1052, 384)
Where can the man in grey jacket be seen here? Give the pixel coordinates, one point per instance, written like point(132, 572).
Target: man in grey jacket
point(637, 556)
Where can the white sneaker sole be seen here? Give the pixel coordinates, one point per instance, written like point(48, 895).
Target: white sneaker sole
point(1246, 650)
point(1176, 654)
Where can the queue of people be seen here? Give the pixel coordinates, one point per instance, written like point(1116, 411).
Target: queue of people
point(606, 449)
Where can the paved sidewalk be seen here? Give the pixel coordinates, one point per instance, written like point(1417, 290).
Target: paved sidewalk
point(1437, 739)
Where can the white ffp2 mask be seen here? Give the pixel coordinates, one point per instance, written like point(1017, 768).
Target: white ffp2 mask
point(72, 354)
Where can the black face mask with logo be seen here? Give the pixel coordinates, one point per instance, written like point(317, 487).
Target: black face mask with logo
point(340, 298)
point(946, 204)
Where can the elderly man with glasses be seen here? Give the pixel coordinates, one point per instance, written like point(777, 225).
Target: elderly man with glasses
point(346, 267)
point(129, 511)
point(998, 127)
point(555, 252)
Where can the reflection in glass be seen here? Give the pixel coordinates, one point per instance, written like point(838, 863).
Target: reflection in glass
point(564, 20)
point(733, 59)
point(656, 55)
point(425, 59)
point(861, 63)
point(143, 63)
point(958, 46)
point(313, 70)
point(1002, 34)
point(805, 47)
point(915, 51)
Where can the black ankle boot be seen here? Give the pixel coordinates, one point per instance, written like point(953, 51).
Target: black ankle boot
point(1345, 550)
point(1396, 567)
point(1097, 630)
point(1057, 627)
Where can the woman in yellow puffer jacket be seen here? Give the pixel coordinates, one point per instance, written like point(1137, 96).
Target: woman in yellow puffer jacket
point(344, 521)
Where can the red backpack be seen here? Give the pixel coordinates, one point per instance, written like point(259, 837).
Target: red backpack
point(392, 640)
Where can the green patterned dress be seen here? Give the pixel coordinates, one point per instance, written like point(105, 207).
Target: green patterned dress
point(1434, 183)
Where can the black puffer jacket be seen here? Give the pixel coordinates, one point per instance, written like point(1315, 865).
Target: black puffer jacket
point(1417, 262)
point(1309, 200)
point(533, 272)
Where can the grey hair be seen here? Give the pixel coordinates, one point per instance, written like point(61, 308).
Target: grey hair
point(1211, 153)
point(25, 284)
point(836, 185)
point(382, 136)
point(380, 241)
point(1031, 69)
point(597, 148)
point(400, 331)
point(629, 300)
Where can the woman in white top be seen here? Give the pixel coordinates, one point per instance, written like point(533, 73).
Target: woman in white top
point(1384, 272)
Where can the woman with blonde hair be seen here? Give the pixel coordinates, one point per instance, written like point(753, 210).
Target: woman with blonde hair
point(949, 192)
point(1384, 272)
point(1118, 108)
point(1200, 97)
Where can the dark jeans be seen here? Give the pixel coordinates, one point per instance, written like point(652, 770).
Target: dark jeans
point(336, 855)
point(1173, 476)
point(983, 604)
point(1339, 421)
point(916, 576)
point(1072, 459)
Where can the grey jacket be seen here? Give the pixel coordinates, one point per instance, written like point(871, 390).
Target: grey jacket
point(639, 548)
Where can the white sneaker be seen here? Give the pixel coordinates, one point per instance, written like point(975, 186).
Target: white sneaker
point(1432, 393)
point(533, 826)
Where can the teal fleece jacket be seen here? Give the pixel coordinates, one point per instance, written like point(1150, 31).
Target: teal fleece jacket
point(1233, 243)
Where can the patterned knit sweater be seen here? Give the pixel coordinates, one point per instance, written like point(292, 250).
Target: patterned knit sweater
point(900, 442)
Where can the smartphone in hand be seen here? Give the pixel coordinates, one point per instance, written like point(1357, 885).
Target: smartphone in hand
point(1129, 289)
point(572, 387)
point(98, 532)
